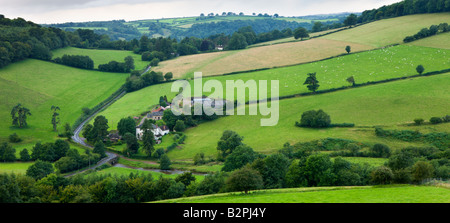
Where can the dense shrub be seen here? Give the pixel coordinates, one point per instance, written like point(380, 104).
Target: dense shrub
point(435, 120)
point(84, 62)
point(314, 119)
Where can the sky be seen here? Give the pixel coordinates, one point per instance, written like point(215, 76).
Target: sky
point(60, 11)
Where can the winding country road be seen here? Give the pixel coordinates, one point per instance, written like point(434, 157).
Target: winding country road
point(77, 139)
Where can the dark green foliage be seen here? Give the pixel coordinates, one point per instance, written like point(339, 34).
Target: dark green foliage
point(100, 149)
point(229, 141)
point(382, 175)
point(79, 61)
point(185, 178)
point(126, 125)
point(273, 169)
point(14, 138)
point(351, 20)
point(40, 169)
point(422, 170)
point(312, 82)
point(98, 131)
point(25, 155)
point(179, 126)
point(435, 120)
point(7, 153)
point(301, 33)
point(380, 150)
point(19, 115)
point(164, 162)
point(132, 144)
point(199, 159)
point(314, 119)
point(244, 179)
point(420, 69)
point(418, 121)
point(348, 49)
point(438, 139)
point(426, 32)
point(241, 156)
point(135, 83)
point(401, 160)
point(237, 41)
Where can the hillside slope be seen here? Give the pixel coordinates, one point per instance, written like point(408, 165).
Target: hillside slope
point(365, 37)
point(389, 31)
point(38, 85)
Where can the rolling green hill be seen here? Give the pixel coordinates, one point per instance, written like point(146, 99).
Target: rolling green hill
point(388, 104)
point(370, 194)
point(38, 85)
point(393, 62)
point(389, 31)
point(369, 36)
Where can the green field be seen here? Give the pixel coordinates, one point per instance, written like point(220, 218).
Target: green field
point(402, 101)
point(389, 31)
point(441, 41)
point(392, 62)
point(102, 56)
point(370, 194)
point(38, 85)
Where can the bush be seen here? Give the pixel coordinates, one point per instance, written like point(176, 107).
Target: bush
point(14, 138)
point(418, 121)
point(244, 179)
point(435, 120)
point(382, 175)
point(314, 119)
point(380, 150)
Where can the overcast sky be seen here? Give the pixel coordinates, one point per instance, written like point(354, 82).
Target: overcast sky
point(59, 11)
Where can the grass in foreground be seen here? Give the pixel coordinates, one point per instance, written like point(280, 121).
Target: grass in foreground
point(368, 194)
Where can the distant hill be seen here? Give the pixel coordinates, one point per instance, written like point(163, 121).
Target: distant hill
point(200, 26)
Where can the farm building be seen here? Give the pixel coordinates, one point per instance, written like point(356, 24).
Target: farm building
point(158, 132)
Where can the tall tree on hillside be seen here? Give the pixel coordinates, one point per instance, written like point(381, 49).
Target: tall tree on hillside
point(312, 82)
point(19, 115)
point(126, 125)
point(351, 20)
point(420, 69)
point(351, 80)
point(301, 33)
point(348, 49)
point(129, 63)
point(100, 129)
point(55, 117)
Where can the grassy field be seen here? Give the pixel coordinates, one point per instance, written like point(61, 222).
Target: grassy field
point(369, 194)
point(38, 85)
point(102, 56)
point(389, 31)
point(256, 58)
point(388, 104)
point(374, 65)
point(368, 36)
point(441, 41)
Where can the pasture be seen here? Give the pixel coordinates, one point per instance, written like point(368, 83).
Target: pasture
point(392, 62)
point(389, 104)
point(38, 85)
point(256, 58)
point(368, 194)
point(389, 31)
